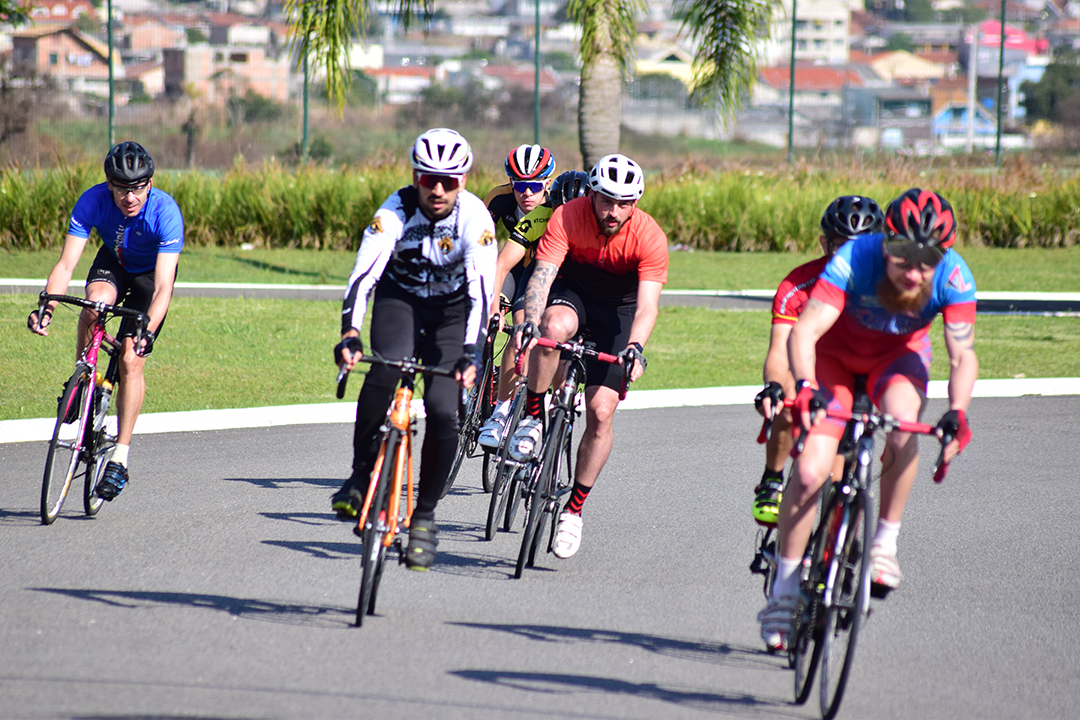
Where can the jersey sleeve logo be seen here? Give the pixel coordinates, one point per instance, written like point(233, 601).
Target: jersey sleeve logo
point(376, 225)
point(486, 238)
point(957, 282)
point(524, 226)
point(446, 244)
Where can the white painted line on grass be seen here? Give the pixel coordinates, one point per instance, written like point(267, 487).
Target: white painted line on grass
point(345, 412)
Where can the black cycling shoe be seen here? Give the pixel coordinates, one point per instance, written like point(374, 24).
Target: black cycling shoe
point(422, 543)
point(112, 482)
point(346, 503)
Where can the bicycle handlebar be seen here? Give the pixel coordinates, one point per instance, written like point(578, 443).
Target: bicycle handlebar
point(878, 420)
point(142, 320)
point(407, 366)
point(579, 349)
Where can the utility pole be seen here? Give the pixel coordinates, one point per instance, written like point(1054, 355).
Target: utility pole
point(1001, 71)
point(112, 99)
point(973, 87)
point(791, 93)
point(536, 80)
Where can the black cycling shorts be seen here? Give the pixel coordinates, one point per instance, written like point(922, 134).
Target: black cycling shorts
point(606, 325)
point(134, 291)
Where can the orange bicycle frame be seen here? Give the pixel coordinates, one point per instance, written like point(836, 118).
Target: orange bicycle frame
point(401, 419)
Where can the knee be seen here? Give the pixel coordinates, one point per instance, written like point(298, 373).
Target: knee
point(558, 326)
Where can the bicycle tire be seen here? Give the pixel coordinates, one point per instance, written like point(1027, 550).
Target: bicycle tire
point(488, 402)
point(849, 601)
point(542, 487)
point(805, 655)
point(515, 495)
point(374, 531)
point(560, 478)
point(505, 470)
point(100, 450)
point(65, 455)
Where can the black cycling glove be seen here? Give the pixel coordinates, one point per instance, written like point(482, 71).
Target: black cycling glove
point(354, 344)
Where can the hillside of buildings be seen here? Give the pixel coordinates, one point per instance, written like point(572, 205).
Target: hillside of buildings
point(208, 82)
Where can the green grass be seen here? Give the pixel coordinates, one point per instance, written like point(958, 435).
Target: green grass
point(1029, 269)
point(223, 353)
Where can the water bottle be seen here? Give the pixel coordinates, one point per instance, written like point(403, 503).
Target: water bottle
point(104, 394)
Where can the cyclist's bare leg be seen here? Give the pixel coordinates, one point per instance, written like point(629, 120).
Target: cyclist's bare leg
point(132, 391)
point(599, 435)
point(900, 459)
point(95, 292)
point(559, 323)
point(799, 503)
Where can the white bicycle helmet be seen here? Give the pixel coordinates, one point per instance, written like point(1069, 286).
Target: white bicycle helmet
point(442, 151)
point(618, 177)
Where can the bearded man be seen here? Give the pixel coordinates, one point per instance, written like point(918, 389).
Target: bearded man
point(869, 315)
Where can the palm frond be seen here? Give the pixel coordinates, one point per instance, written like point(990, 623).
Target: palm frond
point(608, 27)
point(322, 31)
point(728, 35)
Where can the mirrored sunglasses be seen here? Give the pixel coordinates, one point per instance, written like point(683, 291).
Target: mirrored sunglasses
point(449, 182)
point(524, 185)
point(913, 253)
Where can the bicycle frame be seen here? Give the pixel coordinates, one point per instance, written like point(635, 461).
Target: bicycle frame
point(400, 418)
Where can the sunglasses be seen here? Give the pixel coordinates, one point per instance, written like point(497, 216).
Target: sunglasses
point(913, 253)
point(121, 191)
point(448, 182)
point(522, 186)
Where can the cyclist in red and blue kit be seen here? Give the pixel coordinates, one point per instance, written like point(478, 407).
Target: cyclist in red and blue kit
point(142, 234)
point(869, 314)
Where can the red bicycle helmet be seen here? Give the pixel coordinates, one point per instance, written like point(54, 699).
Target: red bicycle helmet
point(919, 225)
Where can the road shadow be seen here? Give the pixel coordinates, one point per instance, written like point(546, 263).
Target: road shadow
point(320, 550)
point(275, 483)
point(287, 613)
point(742, 704)
point(704, 651)
point(304, 518)
point(22, 518)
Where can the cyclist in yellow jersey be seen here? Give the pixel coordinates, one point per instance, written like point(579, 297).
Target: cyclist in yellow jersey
point(518, 254)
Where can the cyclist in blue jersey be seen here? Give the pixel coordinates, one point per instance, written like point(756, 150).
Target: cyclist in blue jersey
point(142, 233)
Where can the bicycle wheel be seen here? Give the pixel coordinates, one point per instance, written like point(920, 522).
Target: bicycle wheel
point(468, 424)
point(100, 450)
point(542, 488)
point(375, 528)
point(515, 494)
point(850, 592)
point(66, 458)
point(488, 402)
point(505, 469)
point(557, 484)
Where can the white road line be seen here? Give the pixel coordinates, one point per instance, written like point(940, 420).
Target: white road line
point(12, 431)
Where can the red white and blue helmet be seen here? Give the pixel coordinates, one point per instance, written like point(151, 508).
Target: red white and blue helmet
point(530, 162)
point(921, 220)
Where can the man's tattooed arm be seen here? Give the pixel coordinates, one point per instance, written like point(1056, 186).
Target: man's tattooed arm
point(536, 292)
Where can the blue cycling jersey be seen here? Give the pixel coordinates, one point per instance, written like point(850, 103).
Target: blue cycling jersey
point(135, 241)
point(858, 267)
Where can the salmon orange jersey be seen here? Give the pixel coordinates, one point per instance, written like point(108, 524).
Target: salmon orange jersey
point(607, 269)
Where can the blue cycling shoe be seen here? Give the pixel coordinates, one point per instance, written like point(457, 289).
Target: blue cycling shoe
point(112, 482)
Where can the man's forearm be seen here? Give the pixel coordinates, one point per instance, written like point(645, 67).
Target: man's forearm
point(536, 292)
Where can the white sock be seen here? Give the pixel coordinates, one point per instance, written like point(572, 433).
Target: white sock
point(885, 537)
point(503, 408)
point(120, 454)
point(787, 577)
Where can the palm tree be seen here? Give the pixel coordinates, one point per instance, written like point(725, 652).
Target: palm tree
point(725, 33)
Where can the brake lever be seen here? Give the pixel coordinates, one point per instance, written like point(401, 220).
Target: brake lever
point(342, 380)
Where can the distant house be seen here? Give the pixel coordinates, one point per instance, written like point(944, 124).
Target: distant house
point(521, 76)
point(889, 117)
point(402, 85)
point(814, 85)
point(950, 125)
point(60, 12)
point(218, 72)
point(671, 60)
point(141, 33)
point(76, 61)
point(902, 66)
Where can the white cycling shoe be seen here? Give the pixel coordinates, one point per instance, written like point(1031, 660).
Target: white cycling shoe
point(526, 438)
point(491, 432)
point(567, 535)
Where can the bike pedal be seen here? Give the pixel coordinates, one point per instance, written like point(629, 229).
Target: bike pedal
point(879, 592)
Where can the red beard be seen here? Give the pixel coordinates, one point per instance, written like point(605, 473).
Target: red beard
point(903, 303)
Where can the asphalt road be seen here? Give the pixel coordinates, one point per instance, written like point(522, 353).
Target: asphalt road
point(217, 586)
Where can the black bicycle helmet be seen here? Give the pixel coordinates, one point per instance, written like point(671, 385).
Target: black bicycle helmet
point(571, 184)
point(921, 217)
point(849, 216)
point(128, 163)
